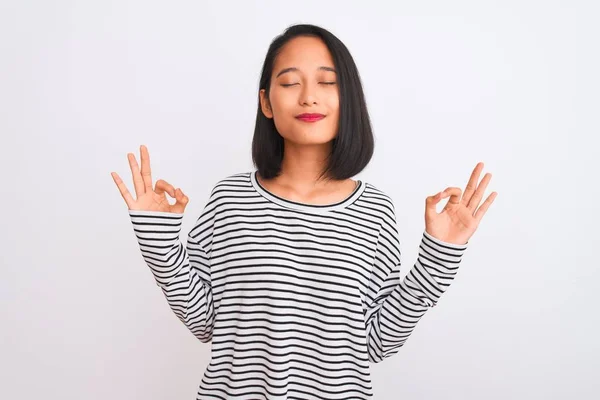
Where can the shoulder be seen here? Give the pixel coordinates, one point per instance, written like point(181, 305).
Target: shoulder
point(381, 204)
point(378, 199)
point(222, 191)
point(231, 182)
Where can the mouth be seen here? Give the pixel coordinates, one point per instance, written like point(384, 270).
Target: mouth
point(310, 117)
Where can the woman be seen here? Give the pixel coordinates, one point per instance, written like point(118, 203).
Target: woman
point(292, 270)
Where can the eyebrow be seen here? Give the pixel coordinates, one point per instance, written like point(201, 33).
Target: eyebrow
point(290, 69)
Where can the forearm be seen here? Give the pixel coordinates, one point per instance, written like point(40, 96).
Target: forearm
point(436, 266)
point(176, 269)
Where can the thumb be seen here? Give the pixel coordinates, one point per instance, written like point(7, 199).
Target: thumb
point(181, 199)
point(432, 201)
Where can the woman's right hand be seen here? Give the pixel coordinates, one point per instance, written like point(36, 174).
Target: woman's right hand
point(149, 199)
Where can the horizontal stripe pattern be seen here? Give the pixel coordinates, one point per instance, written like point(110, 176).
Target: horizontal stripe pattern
point(296, 299)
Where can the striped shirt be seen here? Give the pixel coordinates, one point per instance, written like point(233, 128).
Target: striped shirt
point(296, 299)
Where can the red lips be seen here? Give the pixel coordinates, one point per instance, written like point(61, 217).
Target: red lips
point(310, 117)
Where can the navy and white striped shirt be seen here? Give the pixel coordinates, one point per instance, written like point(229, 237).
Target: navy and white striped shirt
point(297, 299)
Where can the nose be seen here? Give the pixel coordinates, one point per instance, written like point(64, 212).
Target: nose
point(308, 95)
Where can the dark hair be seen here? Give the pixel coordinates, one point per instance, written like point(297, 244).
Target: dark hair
point(353, 146)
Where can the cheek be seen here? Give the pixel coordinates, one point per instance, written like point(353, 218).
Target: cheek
point(278, 106)
point(280, 109)
point(333, 102)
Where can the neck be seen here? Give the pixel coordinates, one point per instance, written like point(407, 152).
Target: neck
point(303, 164)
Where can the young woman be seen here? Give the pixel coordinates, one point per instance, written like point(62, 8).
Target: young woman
point(292, 270)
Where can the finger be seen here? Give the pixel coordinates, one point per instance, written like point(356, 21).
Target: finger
point(454, 194)
point(146, 172)
point(474, 202)
point(484, 207)
point(472, 184)
point(181, 201)
point(163, 186)
point(123, 189)
point(138, 182)
point(432, 201)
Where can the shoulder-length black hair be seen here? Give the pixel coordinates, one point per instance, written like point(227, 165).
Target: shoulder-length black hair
point(353, 146)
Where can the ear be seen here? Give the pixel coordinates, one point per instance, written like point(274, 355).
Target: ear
point(265, 105)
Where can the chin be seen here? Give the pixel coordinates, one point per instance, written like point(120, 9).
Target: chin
point(310, 135)
point(309, 138)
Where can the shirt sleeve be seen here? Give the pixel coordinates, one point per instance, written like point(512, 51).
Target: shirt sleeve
point(393, 307)
point(182, 272)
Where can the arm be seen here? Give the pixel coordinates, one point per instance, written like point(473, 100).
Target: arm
point(183, 274)
point(393, 308)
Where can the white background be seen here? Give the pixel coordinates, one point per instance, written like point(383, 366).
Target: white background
point(513, 84)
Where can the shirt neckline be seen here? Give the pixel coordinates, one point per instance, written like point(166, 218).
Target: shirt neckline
point(360, 187)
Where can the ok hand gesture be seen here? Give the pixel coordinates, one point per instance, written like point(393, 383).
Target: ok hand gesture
point(147, 198)
point(461, 216)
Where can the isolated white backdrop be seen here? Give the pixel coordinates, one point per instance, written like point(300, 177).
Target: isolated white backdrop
point(513, 84)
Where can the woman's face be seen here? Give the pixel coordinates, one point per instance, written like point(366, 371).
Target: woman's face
point(303, 81)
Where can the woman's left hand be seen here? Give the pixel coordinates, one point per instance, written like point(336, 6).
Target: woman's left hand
point(460, 218)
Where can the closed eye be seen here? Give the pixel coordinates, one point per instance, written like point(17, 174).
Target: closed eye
point(292, 84)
